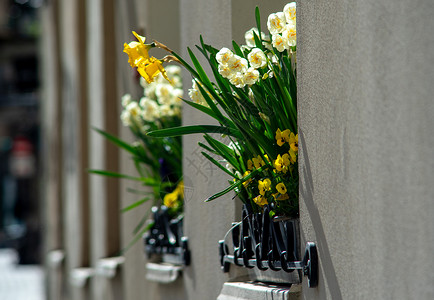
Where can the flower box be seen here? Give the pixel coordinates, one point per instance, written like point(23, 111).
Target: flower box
point(270, 248)
point(165, 239)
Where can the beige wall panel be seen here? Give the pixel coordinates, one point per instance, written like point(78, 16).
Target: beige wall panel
point(366, 161)
point(145, 17)
point(74, 154)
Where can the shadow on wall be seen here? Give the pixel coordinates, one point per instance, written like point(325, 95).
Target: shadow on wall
point(307, 191)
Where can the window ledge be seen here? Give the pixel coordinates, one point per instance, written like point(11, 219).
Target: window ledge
point(162, 273)
point(246, 291)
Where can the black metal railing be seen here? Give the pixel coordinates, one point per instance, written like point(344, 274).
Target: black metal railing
point(266, 244)
point(166, 237)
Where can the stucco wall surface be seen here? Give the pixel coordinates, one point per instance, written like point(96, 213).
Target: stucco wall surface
point(366, 114)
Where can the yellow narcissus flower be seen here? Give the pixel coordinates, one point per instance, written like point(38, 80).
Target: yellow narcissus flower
point(170, 199)
point(258, 162)
point(293, 142)
point(264, 186)
point(247, 182)
point(250, 164)
point(280, 197)
point(282, 163)
point(148, 67)
point(281, 188)
point(180, 189)
point(293, 156)
point(282, 136)
point(260, 200)
point(137, 51)
point(151, 68)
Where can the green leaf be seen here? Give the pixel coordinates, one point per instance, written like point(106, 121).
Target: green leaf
point(237, 49)
point(215, 162)
point(258, 21)
point(223, 150)
point(145, 180)
point(192, 129)
point(202, 75)
point(117, 141)
point(236, 184)
point(207, 148)
point(135, 204)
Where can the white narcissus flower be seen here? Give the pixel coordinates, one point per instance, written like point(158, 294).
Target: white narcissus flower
point(143, 82)
point(235, 147)
point(177, 95)
point(125, 118)
point(172, 71)
point(166, 111)
point(143, 101)
point(126, 99)
point(250, 38)
point(238, 80)
point(177, 111)
point(251, 76)
point(150, 90)
point(290, 35)
point(279, 42)
point(290, 11)
point(134, 112)
point(257, 58)
point(164, 91)
point(276, 22)
point(224, 56)
point(151, 110)
point(225, 71)
point(238, 64)
point(273, 58)
point(195, 94)
point(230, 167)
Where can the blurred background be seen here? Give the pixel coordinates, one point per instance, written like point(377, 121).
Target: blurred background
point(19, 129)
point(21, 272)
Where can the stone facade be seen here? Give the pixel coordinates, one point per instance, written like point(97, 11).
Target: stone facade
point(366, 160)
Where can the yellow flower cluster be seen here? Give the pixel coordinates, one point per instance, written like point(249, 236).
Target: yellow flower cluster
point(282, 164)
point(173, 199)
point(264, 186)
point(284, 161)
point(148, 67)
point(256, 162)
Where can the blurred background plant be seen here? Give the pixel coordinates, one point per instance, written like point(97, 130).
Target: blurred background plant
point(254, 99)
point(157, 161)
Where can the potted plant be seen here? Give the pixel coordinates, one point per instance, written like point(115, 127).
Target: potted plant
point(157, 161)
point(254, 100)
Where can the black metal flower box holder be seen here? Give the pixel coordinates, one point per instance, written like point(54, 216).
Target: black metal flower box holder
point(266, 244)
point(166, 238)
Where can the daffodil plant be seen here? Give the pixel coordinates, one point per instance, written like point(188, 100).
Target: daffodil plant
point(254, 100)
point(158, 161)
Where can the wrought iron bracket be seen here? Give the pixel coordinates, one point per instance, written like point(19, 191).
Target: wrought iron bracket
point(166, 238)
point(260, 242)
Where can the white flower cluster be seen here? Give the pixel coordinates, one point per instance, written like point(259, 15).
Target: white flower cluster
point(282, 26)
point(161, 99)
point(195, 94)
point(237, 69)
point(249, 36)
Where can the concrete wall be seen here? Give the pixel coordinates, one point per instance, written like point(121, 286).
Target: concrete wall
point(366, 165)
point(366, 160)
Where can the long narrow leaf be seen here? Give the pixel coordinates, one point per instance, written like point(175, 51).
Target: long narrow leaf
point(192, 129)
point(215, 162)
point(236, 184)
point(135, 204)
point(145, 180)
point(116, 141)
